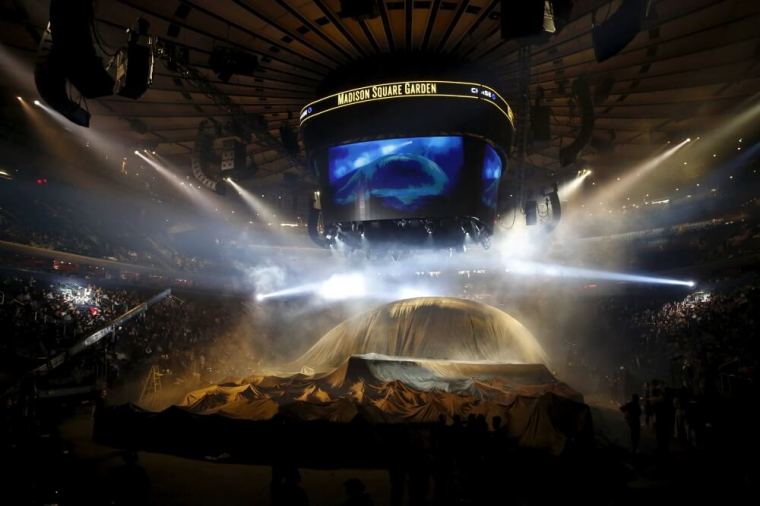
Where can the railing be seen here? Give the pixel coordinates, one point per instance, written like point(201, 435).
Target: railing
point(96, 336)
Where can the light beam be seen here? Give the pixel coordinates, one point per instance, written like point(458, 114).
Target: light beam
point(526, 268)
point(196, 196)
point(613, 191)
point(569, 188)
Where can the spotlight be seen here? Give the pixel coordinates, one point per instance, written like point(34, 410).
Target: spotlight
point(572, 186)
point(137, 152)
point(564, 271)
point(37, 103)
point(19, 99)
point(343, 286)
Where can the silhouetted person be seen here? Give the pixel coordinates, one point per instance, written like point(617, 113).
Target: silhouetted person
point(632, 411)
point(663, 419)
point(357, 494)
point(648, 411)
point(397, 475)
point(286, 488)
point(419, 468)
point(679, 412)
point(398, 460)
point(130, 483)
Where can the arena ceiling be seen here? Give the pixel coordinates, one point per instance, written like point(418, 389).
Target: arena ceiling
point(693, 64)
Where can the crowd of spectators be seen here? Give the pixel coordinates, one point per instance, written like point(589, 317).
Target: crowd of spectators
point(708, 335)
point(52, 222)
point(43, 316)
point(191, 340)
point(705, 337)
point(700, 341)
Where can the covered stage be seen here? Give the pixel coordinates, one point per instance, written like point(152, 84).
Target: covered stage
point(370, 397)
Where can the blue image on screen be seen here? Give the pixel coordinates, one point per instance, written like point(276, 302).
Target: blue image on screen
point(491, 176)
point(403, 174)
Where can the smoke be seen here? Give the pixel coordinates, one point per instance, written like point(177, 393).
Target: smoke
point(266, 278)
point(553, 283)
point(556, 284)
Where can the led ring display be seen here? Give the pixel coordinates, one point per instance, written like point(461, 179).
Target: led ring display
point(407, 89)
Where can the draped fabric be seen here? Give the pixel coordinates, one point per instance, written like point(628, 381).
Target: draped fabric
point(382, 390)
point(427, 327)
point(406, 364)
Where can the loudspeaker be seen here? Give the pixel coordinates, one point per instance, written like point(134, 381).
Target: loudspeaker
point(539, 123)
point(619, 29)
point(531, 212)
point(200, 176)
point(534, 18)
point(136, 62)
point(555, 206)
point(522, 19)
point(226, 61)
point(359, 9)
point(233, 155)
point(582, 93)
point(553, 209)
point(289, 139)
point(563, 9)
point(603, 88)
point(71, 27)
point(290, 178)
point(50, 81)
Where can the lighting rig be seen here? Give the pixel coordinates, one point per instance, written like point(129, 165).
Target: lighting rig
point(239, 131)
point(67, 54)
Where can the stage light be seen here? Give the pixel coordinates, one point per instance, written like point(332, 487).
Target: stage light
point(137, 152)
point(411, 292)
point(527, 268)
point(37, 103)
point(572, 186)
point(336, 287)
point(343, 286)
point(19, 99)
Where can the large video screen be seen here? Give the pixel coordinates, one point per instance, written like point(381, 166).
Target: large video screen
point(491, 177)
point(407, 175)
point(410, 177)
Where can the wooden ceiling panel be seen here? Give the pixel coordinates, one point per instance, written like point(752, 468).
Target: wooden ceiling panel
point(692, 64)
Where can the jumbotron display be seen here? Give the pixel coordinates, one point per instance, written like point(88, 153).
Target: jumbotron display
point(406, 175)
point(432, 177)
point(408, 164)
